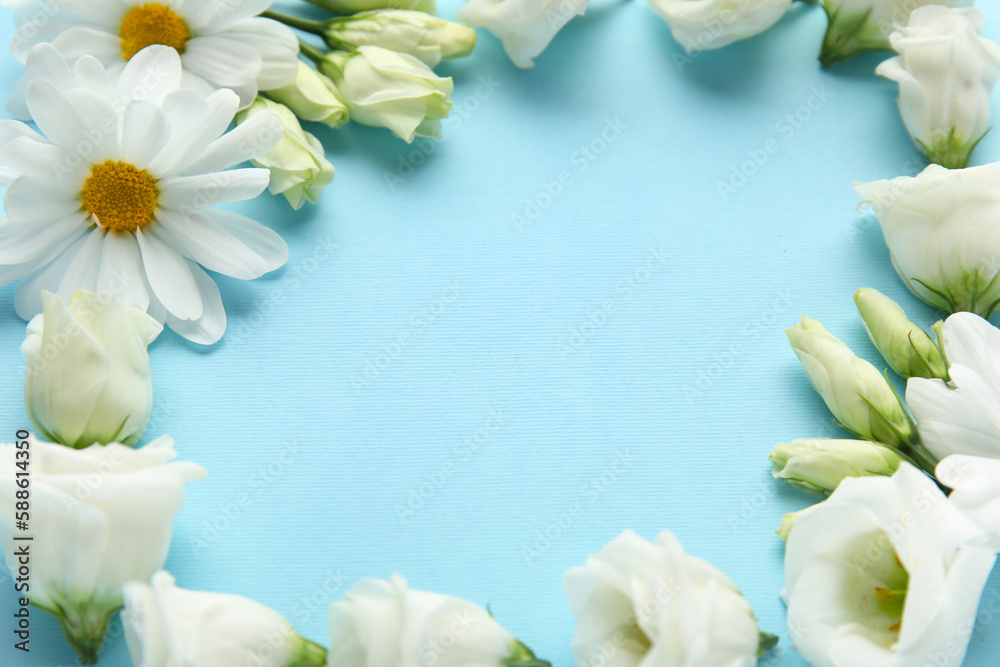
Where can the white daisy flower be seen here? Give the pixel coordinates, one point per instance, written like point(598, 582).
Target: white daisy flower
point(223, 43)
point(114, 197)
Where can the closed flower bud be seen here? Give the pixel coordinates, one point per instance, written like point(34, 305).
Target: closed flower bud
point(313, 97)
point(298, 165)
point(946, 73)
point(422, 35)
point(102, 516)
point(393, 90)
point(167, 625)
point(941, 232)
point(908, 349)
point(865, 25)
point(854, 390)
point(819, 465)
point(88, 377)
point(355, 6)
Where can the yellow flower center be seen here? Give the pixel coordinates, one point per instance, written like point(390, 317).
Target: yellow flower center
point(121, 197)
point(152, 23)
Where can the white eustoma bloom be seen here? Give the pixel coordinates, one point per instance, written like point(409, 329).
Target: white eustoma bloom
point(88, 377)
point(857, 394)
point(699, 25)
point(975, 484)
point(963, 415)
point(946, 73)
point(387, 624)
point(117, 195)
point(355, 6)
point(526, 27)
point(885, 573)
point(314, 97)
point(422, 35)
point(653, 604)
point(222, 44)
point(393, 90)
point(939, 227)
point(167, 626)
point(298, 165)
point(865, 25)
point(100, 517)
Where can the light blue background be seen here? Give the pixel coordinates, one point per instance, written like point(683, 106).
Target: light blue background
point(689, 380)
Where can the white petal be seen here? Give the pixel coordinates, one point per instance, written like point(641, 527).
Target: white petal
point(213, 247)
point(20, 242)
point(198, 123)
point(212, 325)
point(204, 190)
point(222, 61)
point(151, 74)
point(83, 41)
point(215, 15)
point(169, 276)
point(28, 295)
point(263, 240)
point(29, 200)
point(122, 272)
point(278, 48)
point(253, 137)
point(145, 131)
point(83, 269)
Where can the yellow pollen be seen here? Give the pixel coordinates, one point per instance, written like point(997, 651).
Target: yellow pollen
point(121, 197)
point(152, 23)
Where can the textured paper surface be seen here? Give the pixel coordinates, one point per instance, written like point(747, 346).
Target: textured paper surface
point(659, 413)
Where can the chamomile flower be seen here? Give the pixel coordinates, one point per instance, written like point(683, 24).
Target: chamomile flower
point(115, 196)
point(222, 43)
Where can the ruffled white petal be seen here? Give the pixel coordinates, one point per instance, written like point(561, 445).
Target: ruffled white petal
point(169, 276)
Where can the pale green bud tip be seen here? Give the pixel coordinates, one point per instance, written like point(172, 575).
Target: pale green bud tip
point(907, 348)
point(788, 521)
point(522, 656)
point(819, 465)
point(766, 643)
point(310, 654)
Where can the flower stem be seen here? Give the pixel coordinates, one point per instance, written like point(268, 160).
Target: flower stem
point(85, 630)
point(310, 655)
point(315, 27)
point(310, 51)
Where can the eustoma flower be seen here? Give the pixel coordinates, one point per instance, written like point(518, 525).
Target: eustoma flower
point(222, 43)
point(88, 377)
point(653, 604)
point(963, 415)
point(700, 24)
point(854, 390)
point(422, 35)
point(388, 624)
point(946, 73)
point(100, 517)
point(526, 27)
point(819, 465)
point(388, 89)
point(313, 96)
point(908, 349)
point(298, 165)
point(167, 626)
point(115, 197)
point(355, 6)
point(865, 25)
point(885, 573)
point(941, 234)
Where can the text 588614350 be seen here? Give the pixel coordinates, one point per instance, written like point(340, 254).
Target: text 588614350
point(22, 541)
